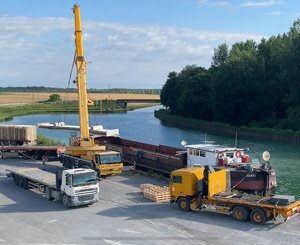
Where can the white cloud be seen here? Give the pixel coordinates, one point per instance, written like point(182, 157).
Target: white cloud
point(266, 3)
point(39, 51)
point(214, 3)
point(221, 3)
point(275, 13)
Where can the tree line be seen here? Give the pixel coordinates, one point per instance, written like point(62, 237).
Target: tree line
point(40, 89)
point(250, 84)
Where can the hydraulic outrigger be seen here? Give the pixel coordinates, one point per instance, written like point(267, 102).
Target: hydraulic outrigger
point(85, 153)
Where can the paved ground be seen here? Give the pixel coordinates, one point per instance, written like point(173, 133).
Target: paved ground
point(122, 216)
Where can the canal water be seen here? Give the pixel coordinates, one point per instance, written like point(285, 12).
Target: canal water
point(141, 125)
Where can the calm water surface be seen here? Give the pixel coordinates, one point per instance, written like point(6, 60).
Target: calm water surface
point(141, 125)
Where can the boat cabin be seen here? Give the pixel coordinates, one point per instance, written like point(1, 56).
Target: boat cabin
point(215, 155)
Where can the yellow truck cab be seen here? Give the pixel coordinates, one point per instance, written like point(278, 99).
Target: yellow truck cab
point(184, 182)
point(205, 189)
point(108, 162)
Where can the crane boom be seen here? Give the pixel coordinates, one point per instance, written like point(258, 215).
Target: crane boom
point(85, 139)
point(85, 153)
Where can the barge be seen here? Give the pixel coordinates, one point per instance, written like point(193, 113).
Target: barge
point(244, 176)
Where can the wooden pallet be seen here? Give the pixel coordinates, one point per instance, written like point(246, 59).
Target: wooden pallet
point(156, 193)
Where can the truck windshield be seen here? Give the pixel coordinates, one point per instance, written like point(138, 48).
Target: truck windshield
point(107, 159)
point(84, 179)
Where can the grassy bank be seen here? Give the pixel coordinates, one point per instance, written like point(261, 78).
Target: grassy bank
point(226, 129)
point(8, 112)
point(43, 140)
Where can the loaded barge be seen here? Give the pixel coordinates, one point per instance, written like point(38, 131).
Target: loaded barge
point(244, 176)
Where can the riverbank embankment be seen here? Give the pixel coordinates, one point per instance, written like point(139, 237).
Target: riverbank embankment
point(8, 112)
point(228, 130)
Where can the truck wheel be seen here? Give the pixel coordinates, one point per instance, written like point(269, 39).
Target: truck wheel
point(70, 164)
point(65, 200)
point(16, 179)
point(25, 183)
point(184, 204)
point(48, 194)
point(258, 216)
point(240, 213)
point(19, 181)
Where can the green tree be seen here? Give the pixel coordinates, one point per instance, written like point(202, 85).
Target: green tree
point(250, 84)
point(170, 92)
point(54, 98)
point(220, 55)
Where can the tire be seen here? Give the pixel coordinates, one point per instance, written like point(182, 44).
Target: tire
point(48, 194)
point(16, 179)
point(258, 216)
point(19, 181)
point(184, 204)
point(240, 213)
point(25, 183)
point(68, 163)
point(65, 201)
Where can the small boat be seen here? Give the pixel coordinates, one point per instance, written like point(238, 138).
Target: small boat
point(244, 176)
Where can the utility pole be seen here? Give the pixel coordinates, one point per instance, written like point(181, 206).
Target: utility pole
point(109, 91)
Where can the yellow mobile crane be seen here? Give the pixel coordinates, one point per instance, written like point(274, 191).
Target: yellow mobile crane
point(85, 153)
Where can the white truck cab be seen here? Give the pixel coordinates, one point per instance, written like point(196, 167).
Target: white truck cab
point(80, 186)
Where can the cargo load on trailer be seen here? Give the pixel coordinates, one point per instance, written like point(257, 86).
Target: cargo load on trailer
point(17, 134)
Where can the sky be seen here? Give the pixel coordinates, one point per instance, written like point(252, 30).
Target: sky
point(128, 43)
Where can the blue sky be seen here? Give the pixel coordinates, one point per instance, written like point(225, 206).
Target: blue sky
point(131, 43)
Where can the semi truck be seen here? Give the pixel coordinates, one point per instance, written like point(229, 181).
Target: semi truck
point(72, 187)
point(205, 189)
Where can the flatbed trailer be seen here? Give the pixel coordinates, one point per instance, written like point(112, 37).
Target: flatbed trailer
point(64, 186)
point(34, 151)
point(204, 189)
point(258, 209)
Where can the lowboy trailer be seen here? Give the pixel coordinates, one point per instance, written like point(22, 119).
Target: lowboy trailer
point(73, 187)
point(205, 189)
